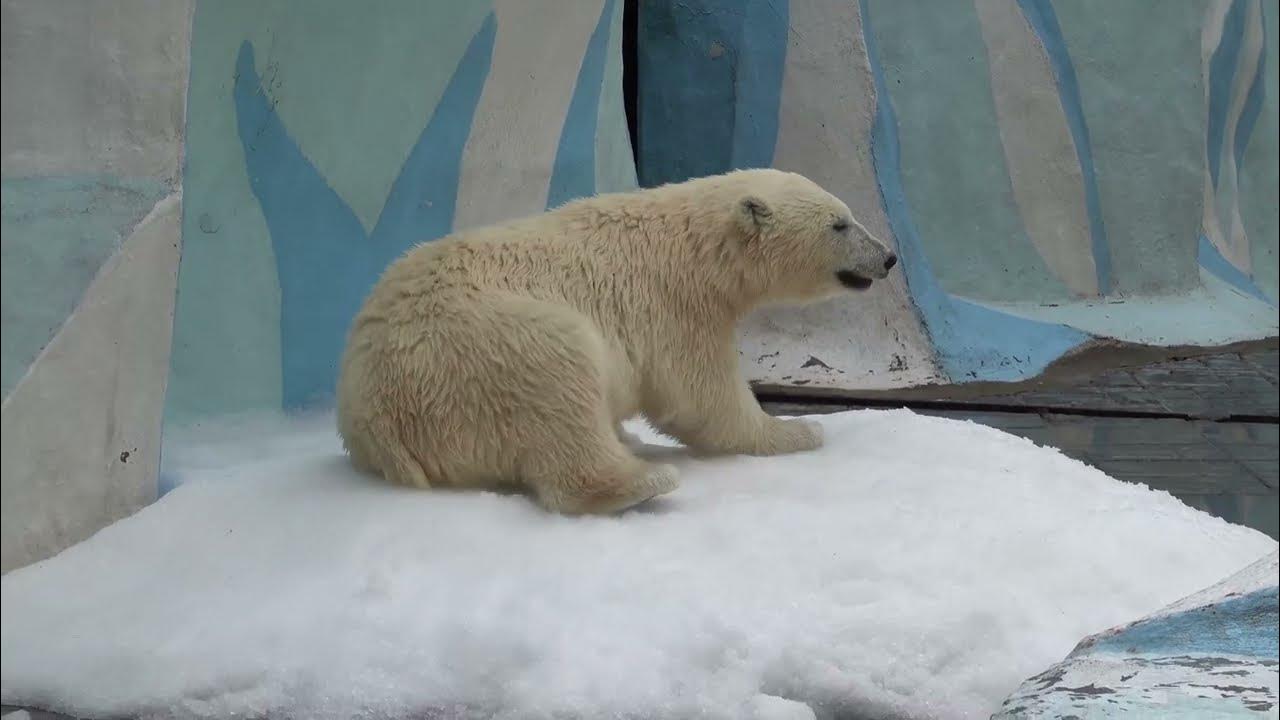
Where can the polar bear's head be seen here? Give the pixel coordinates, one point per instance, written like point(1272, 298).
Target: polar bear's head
point(800, 241)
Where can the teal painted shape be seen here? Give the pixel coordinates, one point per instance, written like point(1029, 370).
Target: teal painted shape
point(758, 81)
point(615, 163)
point(57, 234)
point(935, 68)
point(973, 343)
point(1139, 67)
point(325, 262)
point(711, 86)
point(573, 175)
point(686, 102)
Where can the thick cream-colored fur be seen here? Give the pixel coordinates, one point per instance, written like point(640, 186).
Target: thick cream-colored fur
point(508, 356)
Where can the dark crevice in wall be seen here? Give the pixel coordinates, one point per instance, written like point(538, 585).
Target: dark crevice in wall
point(834, 404)
point(630, 82)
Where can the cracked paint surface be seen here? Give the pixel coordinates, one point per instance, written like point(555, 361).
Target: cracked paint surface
point(1211, 654)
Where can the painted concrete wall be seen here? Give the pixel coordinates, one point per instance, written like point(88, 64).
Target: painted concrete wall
point(1051, 172)
point(311, 149)
point(1212, 654)
point(93, 114)
point(322, 146)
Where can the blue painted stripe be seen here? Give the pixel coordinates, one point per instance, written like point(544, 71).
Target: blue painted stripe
point(758, 81)
point(929, 296)
point(1044, 22)
point(574, 173)
point(1241, 626)
point(973, 342)
point(420, 205)
point(1252, 105)
point(315, 236)
point(1213, 261)
point(325, 262)
point(1222, 75)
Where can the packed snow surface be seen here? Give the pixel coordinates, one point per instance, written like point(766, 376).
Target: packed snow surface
point(914, 567)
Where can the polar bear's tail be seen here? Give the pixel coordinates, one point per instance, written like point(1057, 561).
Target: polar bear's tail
point(398, 464)
point(379, 450)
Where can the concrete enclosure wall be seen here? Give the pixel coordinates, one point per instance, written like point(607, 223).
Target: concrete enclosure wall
point(198, 193)
point(314, 148)
point(1051, 172)
point(94, 97)
point(320, 147)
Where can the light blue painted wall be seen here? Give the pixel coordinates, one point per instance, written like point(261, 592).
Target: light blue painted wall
point(952, 165)
point(1143, 108)
point(1138, 65)
point(93, 115)
point(57, 233)
point(1258, 170)
point(320, 147)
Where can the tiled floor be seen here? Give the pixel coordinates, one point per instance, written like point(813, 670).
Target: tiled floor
point(1204, 429)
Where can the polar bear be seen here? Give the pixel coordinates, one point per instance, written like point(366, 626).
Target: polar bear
point(508, 356)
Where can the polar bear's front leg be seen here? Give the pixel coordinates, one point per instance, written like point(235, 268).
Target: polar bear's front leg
point(791, 435)
point(714, 411)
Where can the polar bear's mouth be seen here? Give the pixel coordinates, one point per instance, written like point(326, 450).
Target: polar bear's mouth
point(853, 280)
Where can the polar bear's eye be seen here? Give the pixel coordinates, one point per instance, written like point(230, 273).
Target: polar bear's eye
point(840, 225)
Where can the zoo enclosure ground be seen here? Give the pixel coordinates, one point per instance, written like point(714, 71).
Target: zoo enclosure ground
point(1201, 426)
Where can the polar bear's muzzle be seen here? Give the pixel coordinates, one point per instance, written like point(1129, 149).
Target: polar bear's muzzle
point(853, 280)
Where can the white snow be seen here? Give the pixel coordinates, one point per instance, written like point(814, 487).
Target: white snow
point(915, 567)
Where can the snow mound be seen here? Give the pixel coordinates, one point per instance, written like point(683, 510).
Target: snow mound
point(915, 567)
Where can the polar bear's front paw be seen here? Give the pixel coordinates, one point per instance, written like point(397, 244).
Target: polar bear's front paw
point(661, 479)
point(790, 436)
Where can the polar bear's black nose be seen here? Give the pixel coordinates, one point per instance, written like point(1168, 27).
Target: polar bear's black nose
point(890, 261)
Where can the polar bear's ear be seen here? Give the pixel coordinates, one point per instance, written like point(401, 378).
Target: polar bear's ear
point(753, 213)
